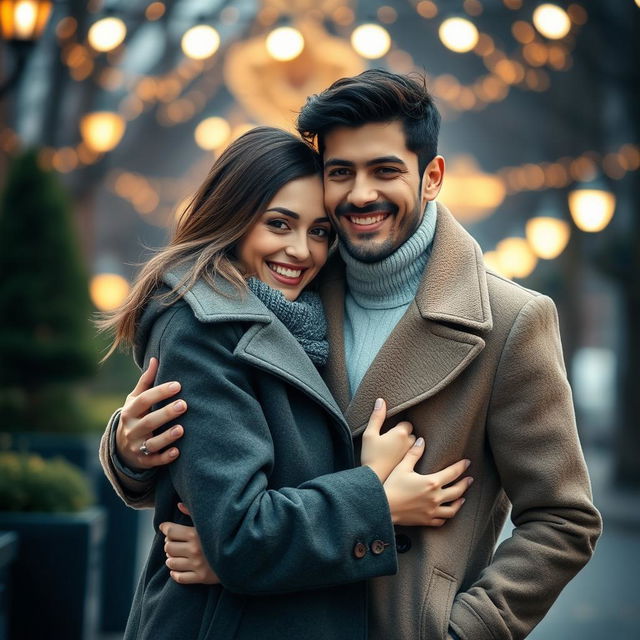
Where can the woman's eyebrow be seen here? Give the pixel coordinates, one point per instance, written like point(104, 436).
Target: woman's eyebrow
point(325, 219)
point(286, 212)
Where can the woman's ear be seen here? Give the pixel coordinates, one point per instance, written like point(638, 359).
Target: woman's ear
point(432, 180)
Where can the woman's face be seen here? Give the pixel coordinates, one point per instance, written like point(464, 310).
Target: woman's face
point(289, 244)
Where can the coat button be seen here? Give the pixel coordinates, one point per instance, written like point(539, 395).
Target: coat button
point(377, 547)
point(403, 543)
point(360, 550)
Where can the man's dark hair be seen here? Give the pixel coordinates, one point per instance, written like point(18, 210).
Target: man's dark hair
point(375, 96)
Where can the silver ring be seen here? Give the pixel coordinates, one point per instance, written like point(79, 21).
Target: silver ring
point(144, 449)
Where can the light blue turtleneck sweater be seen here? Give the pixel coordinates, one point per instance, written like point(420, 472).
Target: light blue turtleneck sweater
point(378, 295)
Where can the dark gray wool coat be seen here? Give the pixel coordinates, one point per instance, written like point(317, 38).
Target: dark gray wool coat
point(267, 471)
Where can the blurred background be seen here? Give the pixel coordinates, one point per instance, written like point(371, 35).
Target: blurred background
point(111, 114)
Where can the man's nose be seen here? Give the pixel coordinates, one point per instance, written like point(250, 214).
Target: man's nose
point(362, 192)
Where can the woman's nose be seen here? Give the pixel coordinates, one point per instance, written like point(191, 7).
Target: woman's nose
point(299, 248)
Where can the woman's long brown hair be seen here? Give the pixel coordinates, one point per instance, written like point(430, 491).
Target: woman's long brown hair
point(240, 185)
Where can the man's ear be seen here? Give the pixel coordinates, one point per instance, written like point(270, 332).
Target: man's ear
point(432, 180)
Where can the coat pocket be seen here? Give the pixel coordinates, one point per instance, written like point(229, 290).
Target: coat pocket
point(221, 616)
point(437, 604)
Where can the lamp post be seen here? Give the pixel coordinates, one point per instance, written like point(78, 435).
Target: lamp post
point(21, 25)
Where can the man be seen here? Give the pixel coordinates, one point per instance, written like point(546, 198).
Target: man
point(471, 359)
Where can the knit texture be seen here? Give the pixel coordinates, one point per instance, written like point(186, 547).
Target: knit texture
point(304, 317)
point(378, 295)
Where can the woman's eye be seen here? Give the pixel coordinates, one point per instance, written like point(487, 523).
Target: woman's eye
point(278, 224)
point(321, 232)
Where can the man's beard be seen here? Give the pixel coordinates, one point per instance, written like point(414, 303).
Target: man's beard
point(379, 251)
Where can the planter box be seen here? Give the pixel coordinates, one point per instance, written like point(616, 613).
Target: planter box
point(8, 551)
point(120, 574)
point(56, 575)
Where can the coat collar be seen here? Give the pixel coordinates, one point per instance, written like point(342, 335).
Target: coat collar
point(436, 339)
point(267, 344)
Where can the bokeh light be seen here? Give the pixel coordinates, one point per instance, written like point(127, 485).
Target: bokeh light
point(551, 21)
point(458, 34)
point(285, 43)
point(200, 42)
point(107, 34)
point(371, 41)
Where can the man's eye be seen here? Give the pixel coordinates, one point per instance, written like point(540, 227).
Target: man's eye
point(336, 173)
point(388, 171)
point(278, 224)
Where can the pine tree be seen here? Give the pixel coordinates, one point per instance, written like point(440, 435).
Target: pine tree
point(45, 335)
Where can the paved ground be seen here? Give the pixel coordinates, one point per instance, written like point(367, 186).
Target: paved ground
point(603, 601)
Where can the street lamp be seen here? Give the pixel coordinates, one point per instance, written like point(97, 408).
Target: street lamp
point(591, 208)
point(21, 24)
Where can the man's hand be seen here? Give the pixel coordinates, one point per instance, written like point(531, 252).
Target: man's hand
point(185, 558)
point(137, 423)
point(425, 500)
point(382, 452)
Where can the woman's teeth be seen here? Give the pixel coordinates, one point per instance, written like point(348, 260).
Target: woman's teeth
point(368, 220)
point(283, 271)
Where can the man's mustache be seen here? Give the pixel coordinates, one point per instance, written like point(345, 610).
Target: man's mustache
point(346, 209)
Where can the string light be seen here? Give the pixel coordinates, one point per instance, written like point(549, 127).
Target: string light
point(458, 34)
point(371, 41)
point(551, 21)
point(200, 42)
point(107, 34)
point(285, 43)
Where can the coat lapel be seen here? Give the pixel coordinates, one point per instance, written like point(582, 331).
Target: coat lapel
point(436, 339)
point(267, 344)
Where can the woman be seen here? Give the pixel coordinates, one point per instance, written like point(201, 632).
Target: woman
point(291, 527)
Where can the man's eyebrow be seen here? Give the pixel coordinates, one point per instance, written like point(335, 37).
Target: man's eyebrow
point(286, 212)
point(338, 162)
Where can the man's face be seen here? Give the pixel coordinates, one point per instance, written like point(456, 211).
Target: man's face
point(372, 188)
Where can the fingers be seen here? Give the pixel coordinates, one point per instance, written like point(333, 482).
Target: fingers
point(137, 407)
point(405, 428)
point(447, 512)
point(186, 577)
point(163, 440)
point(412, 456)
point(376, 420)
point(183, 564)
point(455, 491)
point(451, 473)
point(146, 379)
point(180, 549)
point(177, 532)
point(183, 508)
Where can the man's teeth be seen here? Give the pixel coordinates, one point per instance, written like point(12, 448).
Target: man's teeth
point(368, 220)
point(287, 273)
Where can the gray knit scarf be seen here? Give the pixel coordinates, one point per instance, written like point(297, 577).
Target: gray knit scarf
point(304, 318)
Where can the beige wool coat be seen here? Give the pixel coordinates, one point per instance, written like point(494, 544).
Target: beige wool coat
point(476, 365)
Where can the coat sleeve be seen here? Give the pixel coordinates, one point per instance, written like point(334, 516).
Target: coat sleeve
point(534, 441)
point(135, 489)
point(260, 540)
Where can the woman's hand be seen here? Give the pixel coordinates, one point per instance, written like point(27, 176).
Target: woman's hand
point(382, 452)
point(425, 500)
point(137, 423)
point(185, 558)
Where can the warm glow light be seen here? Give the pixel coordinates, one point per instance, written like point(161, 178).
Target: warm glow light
point(371, 41)
point(458, 34)
point(107, 34)
point(23, 19)
point(108, 291)
point(552, 21)
point(547, 236)
point(102, 130)
point(212, 133)
point(516, 257)
point(492, 260)
point(200, 42)
point(285, 43)
point(591, 209)
point(469, 192)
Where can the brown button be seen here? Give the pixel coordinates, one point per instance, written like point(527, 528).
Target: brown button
point(377, 547)
point(360, 550)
